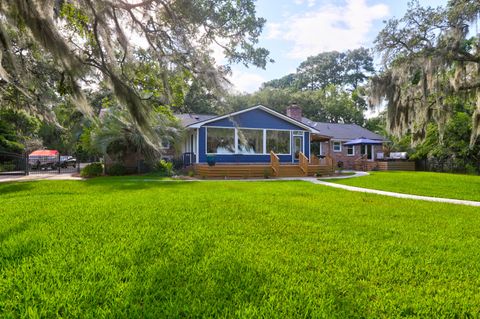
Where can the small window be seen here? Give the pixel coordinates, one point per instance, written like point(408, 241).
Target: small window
point(165, 145)
point(337, 146)
point(350, 150)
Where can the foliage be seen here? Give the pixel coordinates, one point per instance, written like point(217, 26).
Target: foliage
point(118, 136)
point(16, 127)
point(117, 247)
point(116, 169)
point(328, 87)
point(83, 43)
point(164, 168)
point(331, 104)
point(92, 170)
point(420, 183)
point(431, 62)
point(7, 166)
point(348, 69)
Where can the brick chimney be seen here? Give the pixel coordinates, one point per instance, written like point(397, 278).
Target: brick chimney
point(295, 111)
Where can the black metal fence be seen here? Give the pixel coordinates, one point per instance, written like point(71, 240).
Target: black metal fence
point(55, 164)
point(23, 164)
point(448, 166)
point(13, 164)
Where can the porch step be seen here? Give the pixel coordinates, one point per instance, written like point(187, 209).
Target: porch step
point(257, 170)
point(233, 171)
point(290, 171)
point(319, 170)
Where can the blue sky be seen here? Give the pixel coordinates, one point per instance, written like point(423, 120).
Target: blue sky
point(296, 29)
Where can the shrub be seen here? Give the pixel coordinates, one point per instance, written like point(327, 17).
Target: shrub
point(191, 173)
point(92, 170)
point(117, 169)
point(164, 168)
point(267, 173)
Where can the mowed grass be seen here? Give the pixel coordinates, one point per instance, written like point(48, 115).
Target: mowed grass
point(420, 183)
point(113, 248)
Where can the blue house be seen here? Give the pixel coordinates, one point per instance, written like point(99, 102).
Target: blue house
point(251, 141)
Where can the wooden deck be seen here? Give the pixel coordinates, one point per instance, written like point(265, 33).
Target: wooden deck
point(272, 169)
point(258, 170)
point(364, 165)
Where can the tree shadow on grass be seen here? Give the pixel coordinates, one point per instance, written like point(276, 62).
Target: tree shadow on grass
point(13, 252)
point(134, 185)
point(192, 284)
point(15, 187)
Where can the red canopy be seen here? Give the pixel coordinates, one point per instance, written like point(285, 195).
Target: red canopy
point(44, 153)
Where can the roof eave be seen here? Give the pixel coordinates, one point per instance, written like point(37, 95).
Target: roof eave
point(264, 108)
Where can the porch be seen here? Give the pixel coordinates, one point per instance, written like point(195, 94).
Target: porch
point(304, 167)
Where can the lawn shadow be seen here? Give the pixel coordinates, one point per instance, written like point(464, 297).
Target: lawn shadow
point(128, 184)
point(14, 252)
point(192, 283)
point(14, 187)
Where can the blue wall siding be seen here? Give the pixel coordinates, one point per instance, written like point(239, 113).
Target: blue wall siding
point(256, 119)
point(306, 144)
point(202, 156)
point(252, 119)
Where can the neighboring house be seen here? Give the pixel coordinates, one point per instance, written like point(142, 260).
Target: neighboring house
point(248, 136)
point(341, 136)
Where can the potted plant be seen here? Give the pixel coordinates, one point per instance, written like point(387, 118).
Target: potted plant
point(211, 160)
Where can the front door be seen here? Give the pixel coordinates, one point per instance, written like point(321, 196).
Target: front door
point(297, 147)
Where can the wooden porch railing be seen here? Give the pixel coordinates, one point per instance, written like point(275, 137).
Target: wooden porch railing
point(314, 160)
point(303, 162)
point(274, 163)
point(329, 161)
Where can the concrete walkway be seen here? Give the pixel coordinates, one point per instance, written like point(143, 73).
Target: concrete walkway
point(38, 177)
point(398, 195)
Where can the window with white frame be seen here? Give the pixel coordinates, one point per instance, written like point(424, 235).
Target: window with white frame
point(350, 150)
point(165, 144)
point(250, 141)
point(337, 146)
point(220, 140)
point(278, 142)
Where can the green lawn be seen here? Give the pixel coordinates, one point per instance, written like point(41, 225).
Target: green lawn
point(420, 183)
point(112, 248)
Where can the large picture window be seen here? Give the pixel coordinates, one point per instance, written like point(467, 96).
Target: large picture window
point(278, 142)
point(220, 140)
point(250, 141)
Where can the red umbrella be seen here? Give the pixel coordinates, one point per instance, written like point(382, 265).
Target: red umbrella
point(44, 153)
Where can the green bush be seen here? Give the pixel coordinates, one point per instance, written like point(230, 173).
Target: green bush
point(7, 167)
point(117, 169)
point(92, 170)
point(164, 168)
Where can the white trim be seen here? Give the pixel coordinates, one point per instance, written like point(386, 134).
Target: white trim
point(197, 153)
point(333, 146)
point(263, 108)
point(264, 141)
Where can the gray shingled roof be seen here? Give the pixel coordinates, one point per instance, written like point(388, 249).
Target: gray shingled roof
point(342, 131)
point(335, 130)
point(188, 119)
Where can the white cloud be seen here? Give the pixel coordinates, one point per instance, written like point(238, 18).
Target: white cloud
point(245, 81)
point(310, 3)
point(273, 30)
point(331, 27)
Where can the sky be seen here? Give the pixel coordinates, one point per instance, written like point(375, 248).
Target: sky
point(297, 29)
